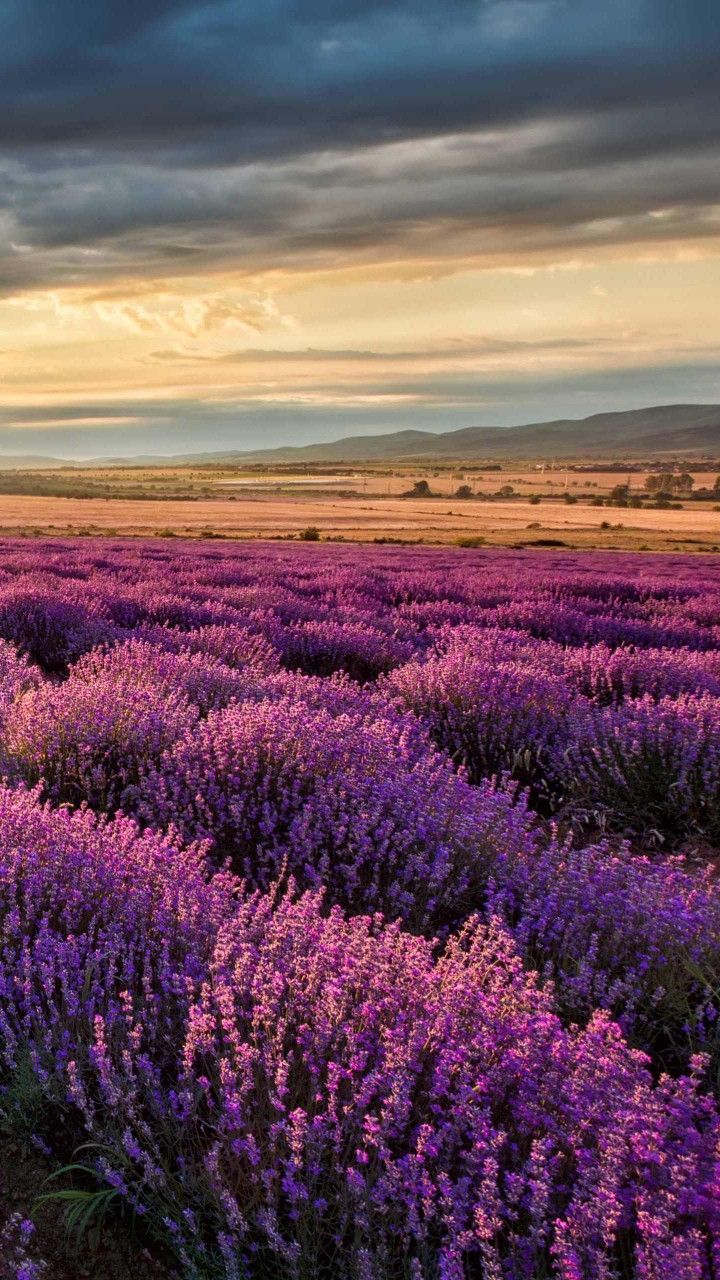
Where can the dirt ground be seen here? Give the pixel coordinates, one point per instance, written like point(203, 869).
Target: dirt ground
point(269, 515)
point(111, 1254)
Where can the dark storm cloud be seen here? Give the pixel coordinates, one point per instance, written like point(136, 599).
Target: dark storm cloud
point(287, 73)
point(168, 135)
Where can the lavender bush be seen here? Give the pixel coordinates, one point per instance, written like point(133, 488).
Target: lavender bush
point(380, 1113)
point(402, 955)
point(493, 717)
point(636, 936)
point(280, 1089)
point(338, 801)
point(91, 740)
point(50, 625)
point(649, 768)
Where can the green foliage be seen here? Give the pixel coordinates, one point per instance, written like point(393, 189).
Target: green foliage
point(22, 1100)
point(84, 1211)
point(669, 482)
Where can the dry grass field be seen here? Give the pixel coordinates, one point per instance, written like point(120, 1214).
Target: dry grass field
point(510, 504)
point(270, 515)
point(444, 482)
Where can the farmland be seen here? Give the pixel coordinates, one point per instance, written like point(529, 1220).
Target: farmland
point(580, 505)
point(359, 910)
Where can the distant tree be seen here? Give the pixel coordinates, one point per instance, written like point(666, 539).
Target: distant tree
point(668, 482)
point(463, 491)
point(421, 489)
point(534, 500)
point(505, 491)
point(619, 491)
point(310, 534)
point(716, 486)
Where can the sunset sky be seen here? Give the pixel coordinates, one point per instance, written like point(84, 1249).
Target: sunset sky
point(238, 224)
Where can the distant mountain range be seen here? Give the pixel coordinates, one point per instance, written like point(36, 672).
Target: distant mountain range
point(677, 428)
point(671, 429)
point(32, 462)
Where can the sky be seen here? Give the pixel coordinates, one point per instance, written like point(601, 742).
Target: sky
point(244, 224)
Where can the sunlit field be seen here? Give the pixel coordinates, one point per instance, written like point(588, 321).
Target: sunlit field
point(507, 506)
point(359, 911)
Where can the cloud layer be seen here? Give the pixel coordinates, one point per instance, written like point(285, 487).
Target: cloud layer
point(185, 170)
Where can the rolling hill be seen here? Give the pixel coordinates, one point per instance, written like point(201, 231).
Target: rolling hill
point(673, 429)
point(666, 429)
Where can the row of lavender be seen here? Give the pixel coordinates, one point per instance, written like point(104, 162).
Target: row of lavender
point(341, 1063)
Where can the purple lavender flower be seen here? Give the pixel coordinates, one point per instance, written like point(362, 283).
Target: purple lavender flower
point(464, 1075)
point(339, 800)
point(648, 768)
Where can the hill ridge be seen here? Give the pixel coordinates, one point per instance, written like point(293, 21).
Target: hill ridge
point(668, 428)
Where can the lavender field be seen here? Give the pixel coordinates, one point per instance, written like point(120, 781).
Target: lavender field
point(359, 908)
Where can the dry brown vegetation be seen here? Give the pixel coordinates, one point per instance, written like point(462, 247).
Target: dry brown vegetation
point(365, 504)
